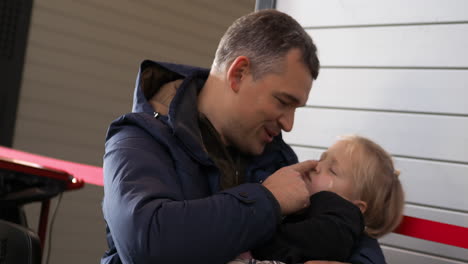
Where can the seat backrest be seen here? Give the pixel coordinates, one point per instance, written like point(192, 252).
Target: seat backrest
point(18, 245)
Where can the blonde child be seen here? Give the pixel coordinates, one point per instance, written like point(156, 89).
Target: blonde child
point(356, 194)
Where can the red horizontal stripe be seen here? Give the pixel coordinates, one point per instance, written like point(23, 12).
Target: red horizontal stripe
point(434, 231)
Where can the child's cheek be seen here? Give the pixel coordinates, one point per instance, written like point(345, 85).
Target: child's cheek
point(322, 184)
point(330, 185)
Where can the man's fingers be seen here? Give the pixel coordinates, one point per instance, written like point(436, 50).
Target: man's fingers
point(308, 182)
point(305, 166)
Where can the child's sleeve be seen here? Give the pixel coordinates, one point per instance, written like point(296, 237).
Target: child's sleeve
point(328, 230)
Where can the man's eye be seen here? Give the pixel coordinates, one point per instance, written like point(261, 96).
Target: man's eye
point(282, 101)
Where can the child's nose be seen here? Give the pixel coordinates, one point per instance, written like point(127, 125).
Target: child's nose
point(318, 167)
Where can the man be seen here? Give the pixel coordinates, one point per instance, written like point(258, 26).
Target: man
point(198, 173)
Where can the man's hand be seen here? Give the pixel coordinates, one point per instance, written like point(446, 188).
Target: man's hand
point(290, 186)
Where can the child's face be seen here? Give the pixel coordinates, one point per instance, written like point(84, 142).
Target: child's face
point(333, 172)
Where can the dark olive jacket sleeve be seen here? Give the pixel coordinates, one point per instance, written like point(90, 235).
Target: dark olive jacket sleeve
point(328, 230)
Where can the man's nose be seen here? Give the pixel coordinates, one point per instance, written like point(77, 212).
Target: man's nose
point(286, 120)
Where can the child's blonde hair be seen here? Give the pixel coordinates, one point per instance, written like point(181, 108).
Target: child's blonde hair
point(377, 183)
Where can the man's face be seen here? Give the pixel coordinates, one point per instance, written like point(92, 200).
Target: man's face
point(265, 106)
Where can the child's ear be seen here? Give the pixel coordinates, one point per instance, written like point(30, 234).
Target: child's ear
point(361, 204)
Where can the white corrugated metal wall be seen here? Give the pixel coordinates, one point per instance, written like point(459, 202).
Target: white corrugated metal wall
point(80, 67)
point(397, 72)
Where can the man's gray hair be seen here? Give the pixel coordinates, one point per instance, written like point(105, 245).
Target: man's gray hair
point(265, 37)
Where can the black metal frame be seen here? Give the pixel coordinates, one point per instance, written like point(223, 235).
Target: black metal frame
point(15, 18)
point(265, 4)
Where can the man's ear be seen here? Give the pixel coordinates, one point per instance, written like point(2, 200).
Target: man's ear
point(237, 72)
point(361, 204)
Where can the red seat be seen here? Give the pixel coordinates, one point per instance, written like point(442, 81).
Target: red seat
point(25, 182)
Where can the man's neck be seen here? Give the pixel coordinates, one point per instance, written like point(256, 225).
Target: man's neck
point(211, 103)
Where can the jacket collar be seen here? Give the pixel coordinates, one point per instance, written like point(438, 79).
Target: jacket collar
point(182, 117)
point(153, 75)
